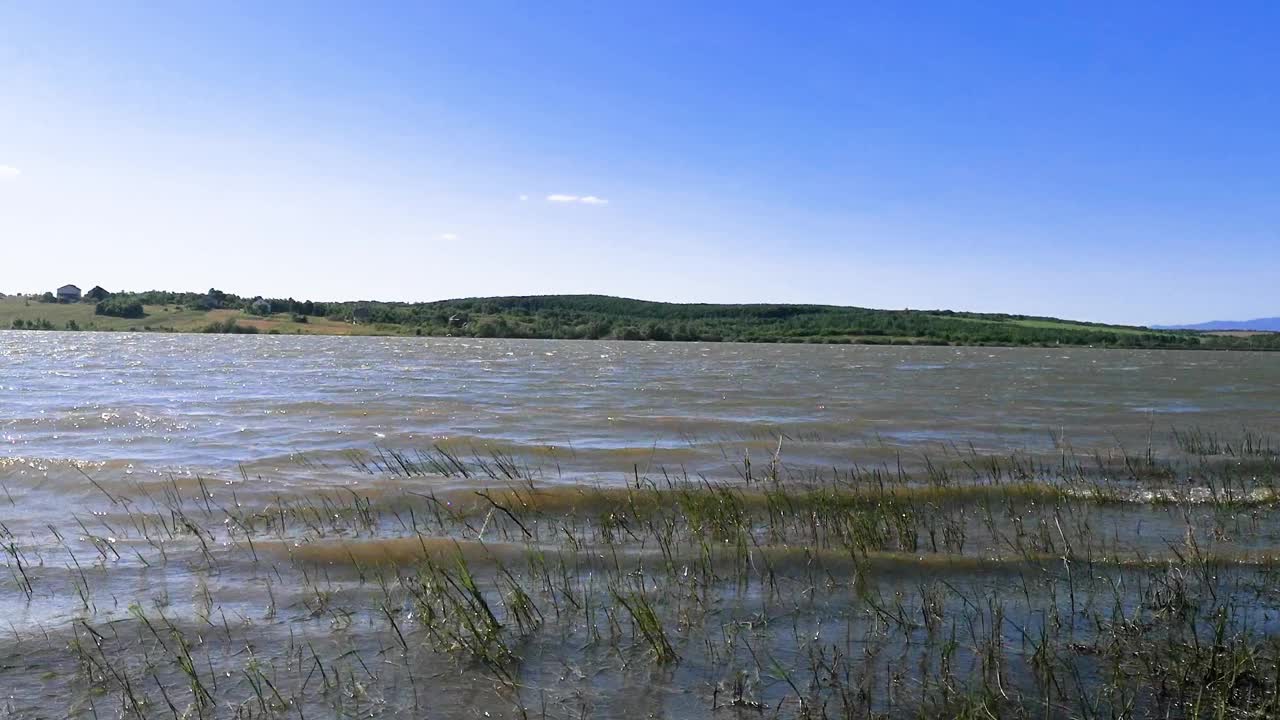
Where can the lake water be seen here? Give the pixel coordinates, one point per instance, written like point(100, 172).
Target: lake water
point(238, 489)
point(210, 404)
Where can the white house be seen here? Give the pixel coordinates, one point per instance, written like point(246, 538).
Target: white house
point(69, 293)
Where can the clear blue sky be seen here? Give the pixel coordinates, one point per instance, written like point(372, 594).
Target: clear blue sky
point(1104, 161)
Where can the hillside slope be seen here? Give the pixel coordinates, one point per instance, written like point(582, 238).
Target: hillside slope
point(603, 317)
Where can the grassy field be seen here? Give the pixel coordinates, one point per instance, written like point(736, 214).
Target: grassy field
point(1067, 325)
point(82, 315)
point(175, 318)
point(1049, 324)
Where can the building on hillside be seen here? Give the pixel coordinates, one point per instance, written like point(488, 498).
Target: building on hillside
point(68, 293)
point(97, 294)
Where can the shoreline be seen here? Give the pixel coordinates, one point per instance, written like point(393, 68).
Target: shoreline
point(864, 341)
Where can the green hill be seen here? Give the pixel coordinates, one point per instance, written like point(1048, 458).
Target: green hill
point(603, 317)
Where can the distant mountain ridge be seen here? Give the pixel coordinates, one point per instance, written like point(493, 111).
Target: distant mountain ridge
point(1271, 324)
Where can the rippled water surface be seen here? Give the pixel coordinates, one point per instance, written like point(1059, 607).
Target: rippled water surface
point(210, 404)
point(270, 508)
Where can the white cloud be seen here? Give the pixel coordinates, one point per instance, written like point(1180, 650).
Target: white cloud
point(9, 173)
point(580, 199)
point(448, 236)
point(524, 198)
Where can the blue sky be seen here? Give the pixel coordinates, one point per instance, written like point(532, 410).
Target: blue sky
point(1102, 161)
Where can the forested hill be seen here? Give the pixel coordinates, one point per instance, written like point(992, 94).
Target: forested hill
point(596, 316)
point(589, 317)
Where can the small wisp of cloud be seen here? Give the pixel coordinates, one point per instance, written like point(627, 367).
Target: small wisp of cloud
point(578, 199)
point(8, 172)
point(448, 236)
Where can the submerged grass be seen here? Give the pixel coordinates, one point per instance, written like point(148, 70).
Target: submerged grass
point(1081, 586)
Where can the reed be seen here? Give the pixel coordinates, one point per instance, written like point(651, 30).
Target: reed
point(1090, 585)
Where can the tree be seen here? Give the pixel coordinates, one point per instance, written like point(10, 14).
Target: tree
point(597, 329)
point(656, 331)
point(216, 298)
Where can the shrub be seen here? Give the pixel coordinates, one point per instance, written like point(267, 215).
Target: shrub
point(38, 324)
point(120, 307)
point(230, 327)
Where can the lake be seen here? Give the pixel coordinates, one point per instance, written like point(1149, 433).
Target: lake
point(285, 517)
point(209, 404)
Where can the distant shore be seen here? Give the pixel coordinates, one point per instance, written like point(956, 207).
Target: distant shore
point(592, 317)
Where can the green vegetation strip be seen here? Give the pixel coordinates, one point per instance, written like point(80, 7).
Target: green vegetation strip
point(592, 317)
